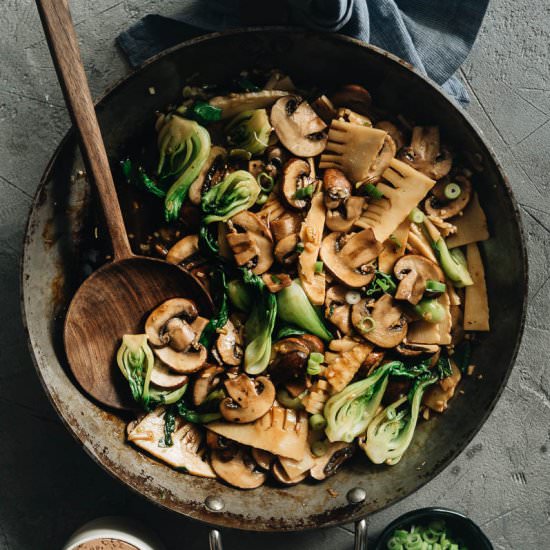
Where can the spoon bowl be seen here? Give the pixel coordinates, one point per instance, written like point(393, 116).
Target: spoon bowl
point(112, 302)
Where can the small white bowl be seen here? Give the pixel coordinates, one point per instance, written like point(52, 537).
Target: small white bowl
point(115, 528)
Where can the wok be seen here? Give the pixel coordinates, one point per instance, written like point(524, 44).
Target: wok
point(61, 211)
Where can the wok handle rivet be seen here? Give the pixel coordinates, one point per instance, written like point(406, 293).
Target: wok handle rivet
point(214, 504)
point(356, 495)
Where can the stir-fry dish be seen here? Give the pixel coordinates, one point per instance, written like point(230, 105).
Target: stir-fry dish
point(338, 242)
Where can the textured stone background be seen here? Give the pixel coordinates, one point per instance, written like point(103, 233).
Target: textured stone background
point(48, 486)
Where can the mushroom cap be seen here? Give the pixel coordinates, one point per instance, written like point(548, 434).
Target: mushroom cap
point(336, 187)
point(413, 271)
point(229, 345)
point(347, 256)
point(285, 250)
point(395, 133)
point(208, 379)
point(183, 249)
point(296, 175)
point(156, 322)
point(288, 360)
point(354, 96)
point(183, 362)
point(263, 459)
point(181, 334)
point(414, 350)
point(164, 378)
point(298, 127)
point(389, 326)
point(425, 153)
point(438, 205)
point(343, 219)
point(186, 451)
point(314, 343)
point(327, 465)
point(337, 310)
point(259, 244)
point(249, 399)
point(237, 469)
point(211, 173)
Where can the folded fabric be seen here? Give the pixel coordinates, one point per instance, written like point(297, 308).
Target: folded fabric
point(433, 35)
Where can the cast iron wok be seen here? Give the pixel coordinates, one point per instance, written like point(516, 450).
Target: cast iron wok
point(61, 212)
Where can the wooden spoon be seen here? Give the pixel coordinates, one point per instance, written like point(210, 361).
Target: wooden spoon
point(116, 298)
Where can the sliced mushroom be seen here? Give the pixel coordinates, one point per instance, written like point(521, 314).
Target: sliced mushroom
point(343, 219)
point(155, 326)
point(164, 378)
point(395, 133)
point(281, 476)
point(337, 309)
point(288, 224)
point(208, 380)
point(347, 115)
point(298, 127)
point(327, 465)
point(230, 345)
point(281, 431)
point(324, 107)
point(183, 249)
point(354, 96)
point(249, 399)
point(251, 242)
point(285, 250)
point(361, 152)
point(349, 256)
point(211, 174)
point(296, 176)
point(238, 469)
point(263, 459)
point(425, 153)
point(414, 350)
point(314, 343)
point(414, 271)
point(288, 360)
point(186, 451)
point(438, 205)
point(234, 104)
point(183, 362)
point(336, 187)
point(383, 322)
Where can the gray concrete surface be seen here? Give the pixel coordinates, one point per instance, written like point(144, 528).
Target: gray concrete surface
point(48, 486)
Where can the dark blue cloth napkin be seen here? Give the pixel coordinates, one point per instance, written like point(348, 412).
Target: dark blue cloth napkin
point(433, 35)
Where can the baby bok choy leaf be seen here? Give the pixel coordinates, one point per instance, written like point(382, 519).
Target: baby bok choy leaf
point(391, 432)
point(294, 307)
point(184, 147)
point(137, 176)
point(250, 131)
point(237, 192)
point(349, 412)
point(135, 360)
point(259, 326)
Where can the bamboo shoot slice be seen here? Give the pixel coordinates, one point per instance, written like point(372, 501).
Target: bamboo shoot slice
point(390, 254)
point(476, 302)
point(471, 226)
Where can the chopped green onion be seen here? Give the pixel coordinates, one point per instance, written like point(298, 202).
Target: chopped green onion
point(317, 357)
point(452, 191)
point(266, 182)
point(300, 248)
point(262, 199)
point(353, 297)
point(318, 267)
point(367, 324)
point(430, 310)
point(303, 193)
point(417, 216)
point(317, 422)
point(319, 448)
point(314, 361)
point(373, 191)
point(397, 243)
point(435, 287)
point(275, 279)
point(242, 154)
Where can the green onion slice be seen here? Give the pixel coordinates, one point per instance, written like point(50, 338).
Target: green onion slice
point(435, 287)
point(367, 324)
point(304, 192)
point(373, 191)
point(317, 422)
point(266, 182)
point(452, 191)
point(319, 448)
point(318, 267)
point(417, 216)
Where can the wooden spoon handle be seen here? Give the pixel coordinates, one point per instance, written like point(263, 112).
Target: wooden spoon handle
point(63, 44)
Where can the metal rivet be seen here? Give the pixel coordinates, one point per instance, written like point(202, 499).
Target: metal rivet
point(356, 495)
point(214, 504)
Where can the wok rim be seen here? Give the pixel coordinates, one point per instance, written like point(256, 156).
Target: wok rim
point(231, 520)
